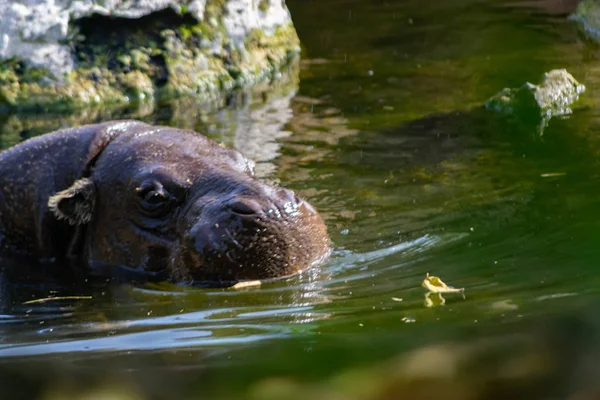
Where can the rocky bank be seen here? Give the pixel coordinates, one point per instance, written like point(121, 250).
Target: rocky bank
point(69, 54)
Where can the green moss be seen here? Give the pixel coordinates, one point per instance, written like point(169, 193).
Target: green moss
point(214, 9)
point(264, 5)
point(140, 59)
point(138, 86)
point(7, 96)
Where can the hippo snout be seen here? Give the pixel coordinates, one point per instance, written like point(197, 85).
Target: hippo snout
point(256, 237)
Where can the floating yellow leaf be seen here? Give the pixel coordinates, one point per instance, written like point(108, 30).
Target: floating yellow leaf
point(435, 285)
point(246, 284)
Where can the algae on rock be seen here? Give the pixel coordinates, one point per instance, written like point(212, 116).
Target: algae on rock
point(538, 103)
point(160, 55)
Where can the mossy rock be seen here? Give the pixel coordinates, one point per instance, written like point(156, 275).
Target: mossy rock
point(554, 96)
point(587, 14)
point(161, 56)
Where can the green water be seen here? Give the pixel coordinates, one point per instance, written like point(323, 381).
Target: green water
point(384, 134)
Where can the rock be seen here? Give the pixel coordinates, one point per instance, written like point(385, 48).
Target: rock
point(50, 47)
point(587, 14)
point(547, 7)
point(552, 97)
point(34, 30)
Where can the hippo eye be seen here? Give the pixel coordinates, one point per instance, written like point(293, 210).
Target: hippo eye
point(155, 201)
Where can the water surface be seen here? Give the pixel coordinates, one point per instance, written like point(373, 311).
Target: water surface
point(384, 133)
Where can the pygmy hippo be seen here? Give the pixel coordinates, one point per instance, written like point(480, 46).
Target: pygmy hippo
point(161, 200)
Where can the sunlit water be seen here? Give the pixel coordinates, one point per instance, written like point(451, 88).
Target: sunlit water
point(385, 135)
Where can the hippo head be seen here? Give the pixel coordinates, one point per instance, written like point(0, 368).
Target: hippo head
point(173, 203)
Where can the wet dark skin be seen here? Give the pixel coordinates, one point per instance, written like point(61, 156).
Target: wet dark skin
point(166, 202)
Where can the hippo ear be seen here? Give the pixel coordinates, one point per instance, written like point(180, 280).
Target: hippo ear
point(75, 204)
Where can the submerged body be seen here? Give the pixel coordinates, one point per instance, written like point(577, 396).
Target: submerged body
point(160, 200)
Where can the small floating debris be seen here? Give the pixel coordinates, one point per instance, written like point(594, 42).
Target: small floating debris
point(504, 305)
point(553, 174)
point(246, 284)
point(555, 296)
point(397, 299)
point(408, 320)
point(58, 298)
point(435, 285)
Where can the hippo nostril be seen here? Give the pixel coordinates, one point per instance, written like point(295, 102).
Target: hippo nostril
point(297, 200)
point(288, 201)
point(287, 196)
point(244, 208)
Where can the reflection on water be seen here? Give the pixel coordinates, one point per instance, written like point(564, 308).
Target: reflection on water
point(381, 128)
point(124, 317)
